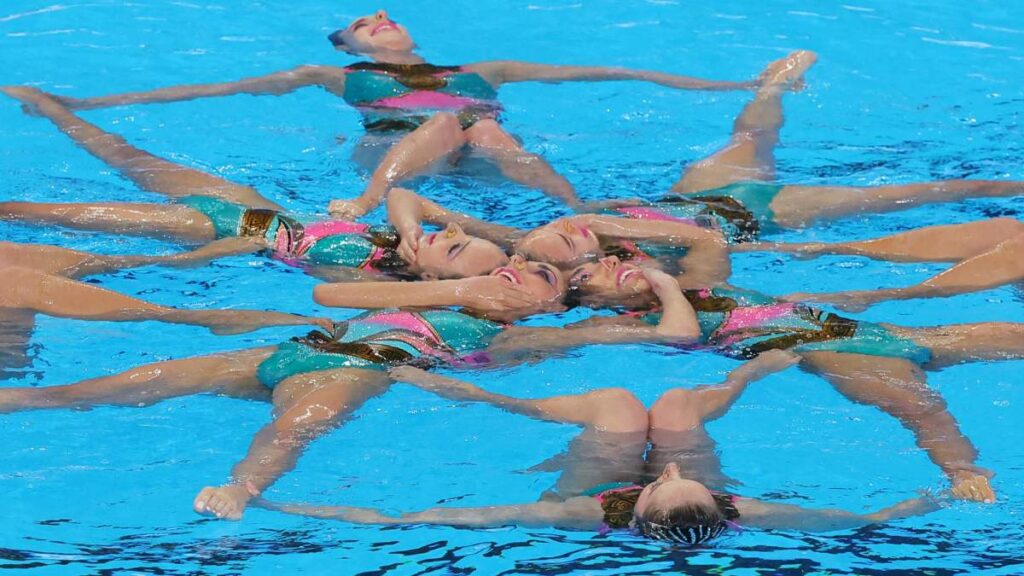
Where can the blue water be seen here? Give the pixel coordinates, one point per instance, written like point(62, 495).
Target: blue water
point(902, 92)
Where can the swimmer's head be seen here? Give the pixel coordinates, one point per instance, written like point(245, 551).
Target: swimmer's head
point(540, 279)
point(560, 242)
point(451, 253)
point(675, 509)
point(610, 282)
point(371, 34)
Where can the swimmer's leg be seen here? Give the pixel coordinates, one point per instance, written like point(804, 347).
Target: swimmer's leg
point(433, 140)
point(231, 374)
point(899, 388)
point(28, 289)
point(1002, 264)
point(174, 222)
point(949, 243)
point(614, 426)
point(960, 343)
point(797, 206)
point(146, 170)
point(750, 153)
point(517, 164)
point(677, 419)
point(306, 407)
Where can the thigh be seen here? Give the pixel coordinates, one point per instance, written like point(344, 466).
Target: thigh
point(738, 161)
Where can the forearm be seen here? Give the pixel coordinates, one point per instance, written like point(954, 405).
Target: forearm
point(523, 72)
point(372, 295)
point(272, 84)
point(270, 456)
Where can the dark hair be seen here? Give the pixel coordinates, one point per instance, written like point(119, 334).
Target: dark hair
point(690, 523)
point(336, 39)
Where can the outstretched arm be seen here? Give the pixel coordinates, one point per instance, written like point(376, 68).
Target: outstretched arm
point(706, 262)
point(571, 409)
point(322, 401)
point(535, 515)
point(715, 401)
point(331, 78)
point(482, 293)
point(773, 516)
point(498, 72)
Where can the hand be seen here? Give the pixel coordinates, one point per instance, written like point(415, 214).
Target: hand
point(776, 360)
point(661, 283)
point(227, 502)
point(347, 209)
point(409, 374)
point(409, 243)
point(970, 485)
point(494, 294)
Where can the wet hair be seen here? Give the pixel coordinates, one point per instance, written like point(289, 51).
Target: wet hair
point(689, 524)
point(336, 39)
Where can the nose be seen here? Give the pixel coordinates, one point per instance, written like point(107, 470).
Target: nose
point(452, 230)
point(568, 227)
point(381, 15)
point(671, 470)
point(610, 262)
point(517, 261)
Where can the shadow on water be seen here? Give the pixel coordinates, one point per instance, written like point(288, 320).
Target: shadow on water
point(934, 549)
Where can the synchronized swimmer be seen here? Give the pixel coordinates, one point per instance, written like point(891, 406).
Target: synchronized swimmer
point(454, 296)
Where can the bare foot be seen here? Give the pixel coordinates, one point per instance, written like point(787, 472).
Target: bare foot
point(227, 502)
point(788, 72)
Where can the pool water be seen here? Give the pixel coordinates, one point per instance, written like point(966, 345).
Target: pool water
point(902, 92)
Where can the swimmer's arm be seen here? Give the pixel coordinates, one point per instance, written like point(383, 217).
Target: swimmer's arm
point(406, 209)
point(373, 295)
point(498, 72)
point(715, 401)
point(534, 515)
point(222, 248)
point(678, 325)
point(706, 262)
point(572, 409)
point(331, 78)
point(772, 516)
point(482, 293)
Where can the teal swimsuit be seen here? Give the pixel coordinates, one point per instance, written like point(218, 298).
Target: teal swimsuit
point(744, 324)
point(740, 210)
point(401, 97)
point(331, 243)
point(381, 339)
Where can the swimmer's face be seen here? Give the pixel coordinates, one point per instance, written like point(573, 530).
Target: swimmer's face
point(542, 280)
point(671, 491)
point(374, 33)
point(451, 253)
point(560, 242)
point(609, 278)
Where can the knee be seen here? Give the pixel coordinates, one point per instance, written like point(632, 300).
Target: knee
point(489, 134)
point(671, 404)
point(618, 410)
